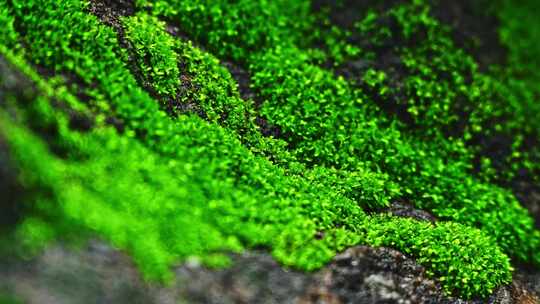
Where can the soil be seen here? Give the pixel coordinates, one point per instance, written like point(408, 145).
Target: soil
point(344, 13)
point(243, 79)
point(110, 11)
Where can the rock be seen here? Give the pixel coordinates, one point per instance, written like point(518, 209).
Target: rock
point(375, 275)
point(99, 273)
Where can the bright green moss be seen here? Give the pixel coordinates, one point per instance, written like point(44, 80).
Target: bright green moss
point(441, 89)
point(156, 58)
point(347, 140)
point(331, 124)
point(213, 89)
point(171, 188)
point(519, 32)
point(263, 23)
point(163, 210)
point(7, 32)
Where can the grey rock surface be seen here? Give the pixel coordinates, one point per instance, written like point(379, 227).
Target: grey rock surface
point(97, 273)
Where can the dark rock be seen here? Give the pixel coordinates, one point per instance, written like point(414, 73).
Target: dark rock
point(254, 278)
point(79, 121)
point(101, 274)
point(10, 190)
point(117, 123)
point(14, 87)
point(527, 192)
point(373, 275)
point(243, 79)
point(98, 273)
point(475, 28)
point(403, 209)
point(345, 13)
point(526, 285)
point(109, 11)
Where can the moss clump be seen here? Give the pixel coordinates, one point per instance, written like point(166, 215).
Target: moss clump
point(156, 57)
point(175, 185)
point(329, 123)
point(436, 88)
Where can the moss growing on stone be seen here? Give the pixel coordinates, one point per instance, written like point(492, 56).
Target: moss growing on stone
point(172, 185)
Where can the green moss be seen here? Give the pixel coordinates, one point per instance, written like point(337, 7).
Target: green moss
point(213, 89)
point(440, 88)
point(164, 210)
point(331, 124)
point(174, 187)
point(8, 33)
point(156, 58)
point(8, 299)
point(518, 82)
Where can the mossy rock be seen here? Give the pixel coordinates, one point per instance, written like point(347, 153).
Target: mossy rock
point(130, 127)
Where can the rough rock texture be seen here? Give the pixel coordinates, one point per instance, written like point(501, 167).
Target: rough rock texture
point(373, 275)
point(110, 11)
point(98, 273)
point(381, 275)
point(254, 278)
point(404, 209)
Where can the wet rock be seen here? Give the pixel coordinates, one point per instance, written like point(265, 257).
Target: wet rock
point(96, 274)
point(13, 84)
point(13, 87)
point(526, 286)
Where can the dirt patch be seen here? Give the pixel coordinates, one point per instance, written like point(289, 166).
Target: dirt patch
point(374, 275)
point(243, 79)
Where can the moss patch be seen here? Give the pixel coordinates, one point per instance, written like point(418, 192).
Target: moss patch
point(173, 185)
